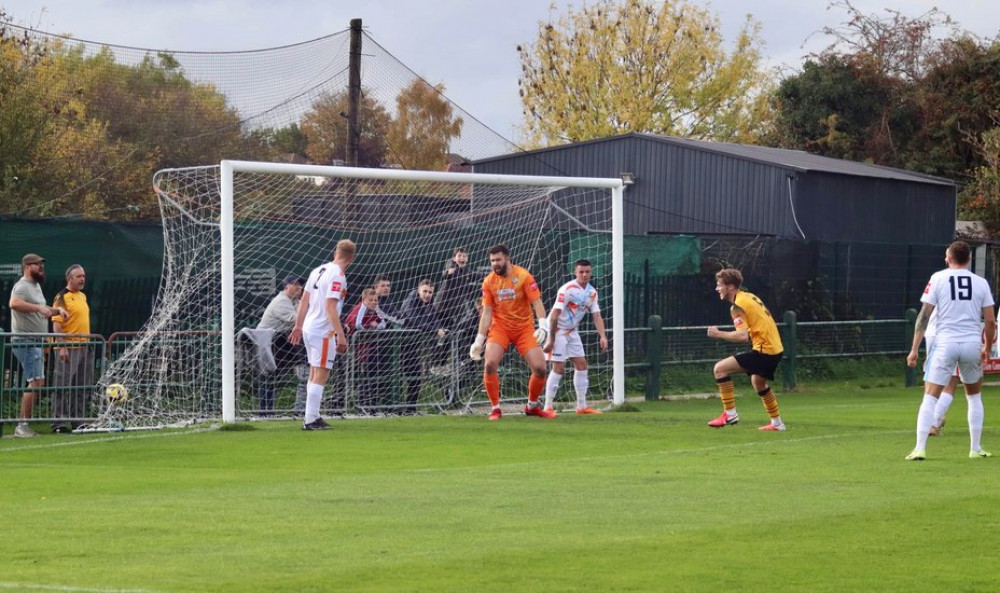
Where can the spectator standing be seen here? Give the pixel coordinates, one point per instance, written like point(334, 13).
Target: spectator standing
point(279, 316)
point(363, 317)
point(380, 356)
point(458, 290)
point(456, 296)
point(74, 365)
point(418, 313)
point(29, 315)
point(386, 310)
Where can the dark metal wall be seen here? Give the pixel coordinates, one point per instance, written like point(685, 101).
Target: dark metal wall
point(683, 188)
point(834, 207)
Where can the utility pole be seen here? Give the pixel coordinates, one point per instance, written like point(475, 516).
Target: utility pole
point(354, 95)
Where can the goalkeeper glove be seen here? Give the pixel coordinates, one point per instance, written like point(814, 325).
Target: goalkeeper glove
point(476, 350)
point(541, 334)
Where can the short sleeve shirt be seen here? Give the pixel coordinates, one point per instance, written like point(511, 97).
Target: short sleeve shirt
point(324, 283)
point(959, 297)
point(510, 298)
point(749, 312)
point(575, 301)
point(28, 323)
point(76, 305)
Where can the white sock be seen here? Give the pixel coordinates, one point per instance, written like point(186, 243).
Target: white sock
point(314, 397)
point(941, 408)
point(551, 388)
point(924, 419)
point(975, 420)
point(581, 382)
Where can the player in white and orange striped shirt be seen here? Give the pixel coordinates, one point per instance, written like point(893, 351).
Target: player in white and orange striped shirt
point(574, 300)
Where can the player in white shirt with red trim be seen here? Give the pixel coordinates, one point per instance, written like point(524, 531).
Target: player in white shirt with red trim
point(574, 300)
point(317, 323)
point(963, 301)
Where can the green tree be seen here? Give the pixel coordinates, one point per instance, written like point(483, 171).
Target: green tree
point(642, 66)
point(325, 129)
point(421, 133)
point(865, 96)
point(82, 134)
point(980, 199)
point(958, 97)
point(24, 119)
point(840, 108)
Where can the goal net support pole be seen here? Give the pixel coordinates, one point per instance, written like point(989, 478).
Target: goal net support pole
point(229, 168)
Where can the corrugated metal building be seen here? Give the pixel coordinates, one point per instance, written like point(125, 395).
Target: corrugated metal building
point(703, 188)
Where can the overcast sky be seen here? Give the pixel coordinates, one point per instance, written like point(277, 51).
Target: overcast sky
point(469, 45)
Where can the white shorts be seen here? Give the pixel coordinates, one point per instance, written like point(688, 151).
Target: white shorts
point(929, 343)
point(321, 349)
point(943, 358)
point(566, 345)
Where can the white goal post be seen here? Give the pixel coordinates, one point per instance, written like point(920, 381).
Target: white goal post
point(230, 168)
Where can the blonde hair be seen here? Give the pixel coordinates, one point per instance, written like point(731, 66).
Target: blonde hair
point(368, 293)
point(346, 248)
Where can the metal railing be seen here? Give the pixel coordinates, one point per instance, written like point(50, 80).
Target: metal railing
point(71, 365)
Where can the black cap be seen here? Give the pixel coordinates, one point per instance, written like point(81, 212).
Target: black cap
point(291, 279)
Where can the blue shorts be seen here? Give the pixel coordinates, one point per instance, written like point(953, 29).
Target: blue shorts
point(30, 358)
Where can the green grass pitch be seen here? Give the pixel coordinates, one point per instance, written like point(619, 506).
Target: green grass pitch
point(647, 501)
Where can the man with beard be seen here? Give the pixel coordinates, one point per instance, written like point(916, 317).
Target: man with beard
point(511, 301)
point(29, 315)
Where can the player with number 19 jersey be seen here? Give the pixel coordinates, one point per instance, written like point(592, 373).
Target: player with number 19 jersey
point(958, 297)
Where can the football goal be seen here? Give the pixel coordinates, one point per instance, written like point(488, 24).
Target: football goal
point(232, 232)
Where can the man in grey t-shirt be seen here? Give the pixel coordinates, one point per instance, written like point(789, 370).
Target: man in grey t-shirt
point(279, 316)
point(30, 315)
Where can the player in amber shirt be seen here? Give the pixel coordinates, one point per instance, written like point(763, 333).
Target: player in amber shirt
point(754, 324)
point(511, 304)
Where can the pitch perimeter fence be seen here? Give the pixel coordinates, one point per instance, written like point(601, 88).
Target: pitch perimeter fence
point(377, 374)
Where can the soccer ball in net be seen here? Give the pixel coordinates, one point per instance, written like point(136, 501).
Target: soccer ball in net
point(116, 393)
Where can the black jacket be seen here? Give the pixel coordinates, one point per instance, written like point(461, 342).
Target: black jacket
point(457, 293)
point(419, 315)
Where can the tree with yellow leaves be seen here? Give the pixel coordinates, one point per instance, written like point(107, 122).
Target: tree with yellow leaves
point(615, 67)
point(420, 135)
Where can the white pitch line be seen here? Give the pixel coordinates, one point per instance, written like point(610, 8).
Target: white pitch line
point(71, 589)
point(117, 437)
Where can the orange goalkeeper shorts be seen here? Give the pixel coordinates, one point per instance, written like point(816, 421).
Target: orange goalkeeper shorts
point(523, 338)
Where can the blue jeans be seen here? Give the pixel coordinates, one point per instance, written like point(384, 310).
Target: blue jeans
point(30, 358)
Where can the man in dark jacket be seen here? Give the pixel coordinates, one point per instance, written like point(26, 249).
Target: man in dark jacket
point(419, 314)
point(458, 290)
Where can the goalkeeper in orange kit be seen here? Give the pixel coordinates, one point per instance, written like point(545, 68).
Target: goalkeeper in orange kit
point(512, 305)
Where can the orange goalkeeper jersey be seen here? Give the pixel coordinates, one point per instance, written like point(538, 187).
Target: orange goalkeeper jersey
point(510, 298)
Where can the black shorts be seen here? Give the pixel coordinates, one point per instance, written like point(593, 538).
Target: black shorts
point(755, 363)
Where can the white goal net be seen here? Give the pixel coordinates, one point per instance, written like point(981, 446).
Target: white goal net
point(234, 232)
